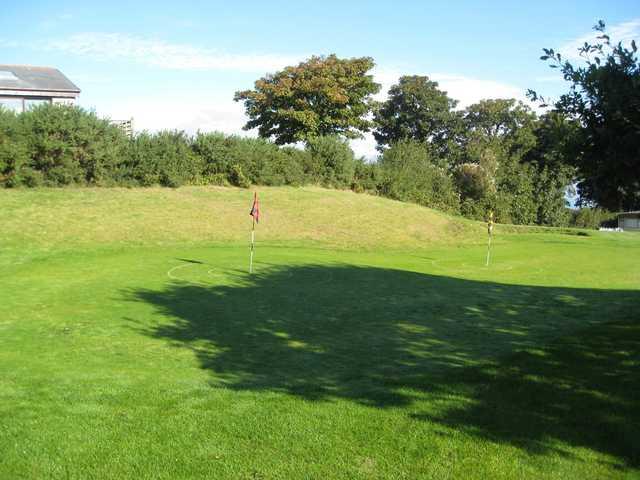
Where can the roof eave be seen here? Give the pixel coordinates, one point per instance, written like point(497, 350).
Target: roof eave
point(17, 89)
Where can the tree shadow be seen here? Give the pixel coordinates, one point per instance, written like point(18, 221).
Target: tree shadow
point(534, 365)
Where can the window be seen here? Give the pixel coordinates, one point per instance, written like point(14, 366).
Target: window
point(6, 75)
point(11, 103)
point(30, 103)
point(62, 101)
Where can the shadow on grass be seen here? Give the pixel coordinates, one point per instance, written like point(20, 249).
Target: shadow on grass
point(526, 365)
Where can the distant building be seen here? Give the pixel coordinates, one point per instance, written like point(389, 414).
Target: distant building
point(125, 125)
point(629, 221)
point(23, 86)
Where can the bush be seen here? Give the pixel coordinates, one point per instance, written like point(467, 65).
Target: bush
point(13, 150)
point(238, 178)
point(259, 161)
point(165, 158)
point(330, 162)
point(366, 177)
point(283, 167)
point(593, 218)
point(408, 173)
point(68, 145)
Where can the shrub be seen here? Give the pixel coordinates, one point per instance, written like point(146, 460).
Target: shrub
point(13, 150)
point(330, 162)
point(408, 174)
point(165, 158)
point(69, 145)
point(284, 166)
point(366, 177)
point(594, 218)
point(238, 178)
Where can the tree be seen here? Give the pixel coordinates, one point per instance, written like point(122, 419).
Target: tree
point(604, 97)
point(499, 133)
point(417, 110)
point(506, 121)
point(552, 157)
point(322, 96)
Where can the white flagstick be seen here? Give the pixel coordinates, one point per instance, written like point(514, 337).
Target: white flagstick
point(488, 250)
point(253, 237)
point(490, 232)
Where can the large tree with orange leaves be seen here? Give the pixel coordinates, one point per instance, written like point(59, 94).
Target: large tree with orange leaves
point(324, 95)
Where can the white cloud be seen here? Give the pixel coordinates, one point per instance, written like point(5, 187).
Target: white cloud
point(364, 147)
point(8, 43)
point(468, 90)
point(161, 54)
point(189, 114)
point(622, 32)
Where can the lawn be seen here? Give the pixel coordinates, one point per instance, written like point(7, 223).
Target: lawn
point(371, 342)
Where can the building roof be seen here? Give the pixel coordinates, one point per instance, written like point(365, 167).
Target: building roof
point(26, 77)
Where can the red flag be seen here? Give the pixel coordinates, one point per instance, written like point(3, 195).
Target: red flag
point(255, 208)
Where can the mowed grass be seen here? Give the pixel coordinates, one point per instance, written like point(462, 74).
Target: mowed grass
point(371, 342)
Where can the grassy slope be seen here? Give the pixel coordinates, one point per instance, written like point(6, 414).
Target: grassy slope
point(390, 352)
point(339, 219)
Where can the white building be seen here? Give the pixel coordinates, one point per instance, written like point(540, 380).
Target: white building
point(24, 86)
point(629, 221)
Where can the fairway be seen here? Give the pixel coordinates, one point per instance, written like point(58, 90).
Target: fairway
point(370, 342)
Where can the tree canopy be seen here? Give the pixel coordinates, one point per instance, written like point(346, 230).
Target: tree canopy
point(604, 98)
point(322, 96)
point(501, 121)
point(417, 110)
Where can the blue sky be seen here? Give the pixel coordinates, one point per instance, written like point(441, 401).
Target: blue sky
point(177, 64)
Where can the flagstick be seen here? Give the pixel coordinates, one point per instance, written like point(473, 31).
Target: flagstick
point(253, 236)
point(488, 250)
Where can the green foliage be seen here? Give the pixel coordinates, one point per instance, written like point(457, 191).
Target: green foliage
point(592, 217)
point(286, 167)
point(67, 145)
point(237, 177)
point(165, 158)
point(504, 121)
point(319, 97)
point(603, 98)
point(331, 161)
point(366, 177)
point(416, 109)
point(408, 173)
point(515, 188)
point(260, 161)
point(13, 151)
point(550, 189)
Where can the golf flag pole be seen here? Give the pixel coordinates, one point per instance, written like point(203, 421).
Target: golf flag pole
point(490, 232)
point(255, 214)
point(253, 238)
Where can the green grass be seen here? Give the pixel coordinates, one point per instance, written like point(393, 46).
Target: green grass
point(133, 344)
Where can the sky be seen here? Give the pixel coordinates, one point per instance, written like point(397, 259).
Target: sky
point(176, 65)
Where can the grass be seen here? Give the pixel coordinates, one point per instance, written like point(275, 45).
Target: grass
point(134, 344)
